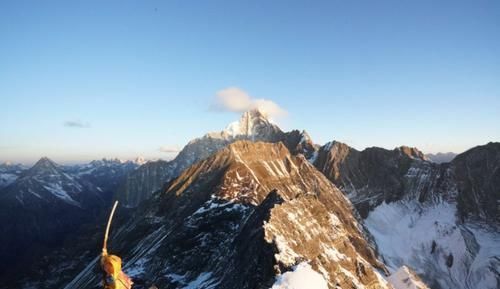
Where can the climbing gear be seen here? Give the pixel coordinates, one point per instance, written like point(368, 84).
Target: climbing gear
point(105, 244)
point(113, 278)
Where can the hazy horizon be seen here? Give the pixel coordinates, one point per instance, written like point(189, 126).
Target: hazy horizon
point(116, 79)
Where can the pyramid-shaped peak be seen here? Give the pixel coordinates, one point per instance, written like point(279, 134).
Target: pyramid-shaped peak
point(44, 161)
point(44, 164)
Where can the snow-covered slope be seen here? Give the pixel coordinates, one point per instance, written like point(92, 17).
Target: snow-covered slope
point(427, 237)
point(301, 277)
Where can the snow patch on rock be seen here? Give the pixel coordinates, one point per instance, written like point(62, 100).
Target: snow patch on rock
point(302, 277)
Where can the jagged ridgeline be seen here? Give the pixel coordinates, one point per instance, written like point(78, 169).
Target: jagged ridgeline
point(253, 206)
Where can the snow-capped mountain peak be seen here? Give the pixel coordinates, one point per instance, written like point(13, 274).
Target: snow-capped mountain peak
point(252, 123)
point(140, 160)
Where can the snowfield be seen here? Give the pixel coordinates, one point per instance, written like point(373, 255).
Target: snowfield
point(302, 277)
point(429, 239)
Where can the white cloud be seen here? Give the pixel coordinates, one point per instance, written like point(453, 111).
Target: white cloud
point(76, 124)
point(169, 149)
point(235, 99)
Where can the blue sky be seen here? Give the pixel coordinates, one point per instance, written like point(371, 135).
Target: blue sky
point(138, 75)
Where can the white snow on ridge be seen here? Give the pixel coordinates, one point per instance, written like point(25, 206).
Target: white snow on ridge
point(215, 203)
point(57, 190)
point(302, 277)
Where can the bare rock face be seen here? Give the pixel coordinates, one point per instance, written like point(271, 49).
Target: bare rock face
point(149, 177)
point(240, 218)
point(371, 176)
point(411, 152)
point(253, 126)
point(477, 173)
point(376, 175)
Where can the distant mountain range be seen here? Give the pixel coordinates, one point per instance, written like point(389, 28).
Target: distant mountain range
point(252, 206)
point(9, 173)
point(42, 205)
point(440, 158)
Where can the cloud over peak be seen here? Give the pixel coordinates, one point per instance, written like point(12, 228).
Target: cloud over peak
point(234, 99)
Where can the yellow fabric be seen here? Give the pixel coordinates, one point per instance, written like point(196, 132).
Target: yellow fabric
point(112, 265)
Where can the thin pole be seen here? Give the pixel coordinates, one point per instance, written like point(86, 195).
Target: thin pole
point(105, 244)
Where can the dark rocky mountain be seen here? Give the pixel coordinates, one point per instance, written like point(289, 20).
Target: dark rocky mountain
point(477, 176)
point(440, 158)
point(371, 176)
point(141, 183)
point(39, 209)
point(253, 125)
point(237, 220)
point(441, 219)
